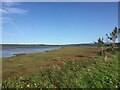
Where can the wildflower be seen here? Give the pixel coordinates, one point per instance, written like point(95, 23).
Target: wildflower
point(110, 81)
point(35, 84)
point(28, 85)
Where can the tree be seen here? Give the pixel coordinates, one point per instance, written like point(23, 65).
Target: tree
point(113, 36)
point(100, 43)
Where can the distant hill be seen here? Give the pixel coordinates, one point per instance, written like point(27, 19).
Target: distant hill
point(83, 44)
point(27, 45)
point(37, 45)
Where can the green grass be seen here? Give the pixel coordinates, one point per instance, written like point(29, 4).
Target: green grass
point(93, 73)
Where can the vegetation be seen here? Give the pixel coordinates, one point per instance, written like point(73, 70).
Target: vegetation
point(100, 44)
point(25, 65)
point(68, 67)
point(74, 70)
point(113, 36)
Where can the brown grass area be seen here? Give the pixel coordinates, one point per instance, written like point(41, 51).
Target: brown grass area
point(28, 64)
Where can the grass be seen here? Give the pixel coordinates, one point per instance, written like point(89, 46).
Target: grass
point(24, 65)
point(69, 67)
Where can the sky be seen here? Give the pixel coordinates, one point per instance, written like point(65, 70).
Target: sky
point(57, 22)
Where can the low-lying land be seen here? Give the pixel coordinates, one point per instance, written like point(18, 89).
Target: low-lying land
point(70, 66)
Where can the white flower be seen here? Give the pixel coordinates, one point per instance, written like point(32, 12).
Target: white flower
point(28, 85)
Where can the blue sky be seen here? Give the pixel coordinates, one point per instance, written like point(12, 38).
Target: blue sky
point(57, 23)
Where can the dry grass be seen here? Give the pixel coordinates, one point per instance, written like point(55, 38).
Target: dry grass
point(28, 64)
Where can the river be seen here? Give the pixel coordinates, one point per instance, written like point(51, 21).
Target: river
point(9, 51)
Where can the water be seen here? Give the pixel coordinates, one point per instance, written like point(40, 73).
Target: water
point(12, 51)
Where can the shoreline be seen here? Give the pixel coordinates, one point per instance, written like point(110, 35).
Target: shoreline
point(19, 54)
point(33, 52)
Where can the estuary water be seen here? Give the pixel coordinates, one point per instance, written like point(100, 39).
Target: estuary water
point(10, 51)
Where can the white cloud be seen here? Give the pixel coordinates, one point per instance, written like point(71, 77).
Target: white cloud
point(8, 0)
point(5, 19)
point(14, 11)
point(8, 4)
point(11, 8)
point(11, 0)
point(2, 11)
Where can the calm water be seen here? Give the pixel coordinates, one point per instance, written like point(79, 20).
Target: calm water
point(11, 51)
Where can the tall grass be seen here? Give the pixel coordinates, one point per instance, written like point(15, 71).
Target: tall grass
point(72, 74)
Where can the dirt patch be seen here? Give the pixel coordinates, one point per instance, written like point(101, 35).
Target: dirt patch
point(19, 54)
point(81, 56)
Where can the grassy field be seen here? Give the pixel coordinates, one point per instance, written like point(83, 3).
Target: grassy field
point(68, 67)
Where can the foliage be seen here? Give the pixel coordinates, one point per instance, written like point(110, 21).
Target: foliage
point(113, 36)
point(100, 43)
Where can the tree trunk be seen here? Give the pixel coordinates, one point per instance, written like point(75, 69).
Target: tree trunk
point(102, 50)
